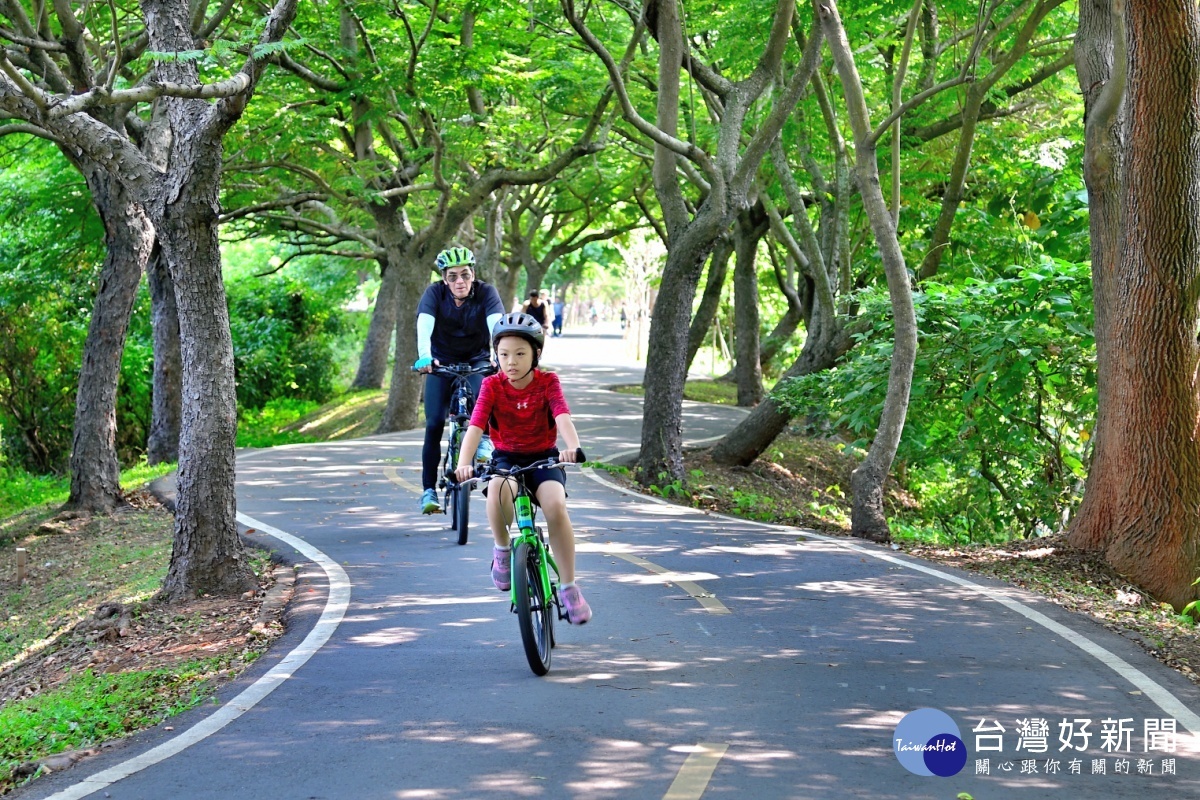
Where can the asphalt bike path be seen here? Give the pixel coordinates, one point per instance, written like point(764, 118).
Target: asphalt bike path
point(724, 658)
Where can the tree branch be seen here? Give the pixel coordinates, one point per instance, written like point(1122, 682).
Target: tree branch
point(102, 96)
point(631, 115)
point(271, 205)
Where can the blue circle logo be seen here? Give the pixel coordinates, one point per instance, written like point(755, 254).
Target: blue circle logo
point(927, 742)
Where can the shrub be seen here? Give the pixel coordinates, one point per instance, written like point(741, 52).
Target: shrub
point(1003, 397)
point(283, 340)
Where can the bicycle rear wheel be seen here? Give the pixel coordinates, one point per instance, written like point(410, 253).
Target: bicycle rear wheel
point(462, 510)
point(533, 608)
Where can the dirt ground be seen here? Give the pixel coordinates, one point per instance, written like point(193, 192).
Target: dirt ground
point(90, 603)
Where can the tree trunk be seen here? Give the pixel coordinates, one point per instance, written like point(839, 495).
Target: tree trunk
point(167, 400)
point(506, 284)
point(867, 518)
point(535, 274)
point(710, 301)
point(1102, 77)
point(128, 237)
point(372, 365)
point(823, 345)
point(750, 227)
point(1150, 398)
point(207, 556)
point(405, 390)
point(662, 415)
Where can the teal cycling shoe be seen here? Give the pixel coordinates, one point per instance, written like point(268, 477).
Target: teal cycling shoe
point(429, 502)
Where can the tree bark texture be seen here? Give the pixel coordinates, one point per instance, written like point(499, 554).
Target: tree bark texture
point(128, 238)
point(405, 392)
point(1150, 454)
point(748, 230)
point(662, 414)
point(207, 554)
point(710, 301)
point(167, 388)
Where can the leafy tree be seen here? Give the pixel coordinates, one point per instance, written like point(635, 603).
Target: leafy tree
point(398, 163)
point(283, 331)
point(829, 249)
point(154, 180)
point(716, 165)
point(51, 243)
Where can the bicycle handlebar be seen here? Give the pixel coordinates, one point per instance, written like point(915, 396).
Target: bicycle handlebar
point(487, 470)
point(458, 370)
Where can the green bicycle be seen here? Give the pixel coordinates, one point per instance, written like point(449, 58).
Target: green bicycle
point(534, 592)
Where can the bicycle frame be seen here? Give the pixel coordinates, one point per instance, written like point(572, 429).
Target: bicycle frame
point(528, 533)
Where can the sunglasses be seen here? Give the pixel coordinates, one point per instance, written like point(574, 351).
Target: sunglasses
point(455, 277)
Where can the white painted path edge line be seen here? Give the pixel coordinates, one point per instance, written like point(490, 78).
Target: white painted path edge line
point(1158, 694)
point(331, 617)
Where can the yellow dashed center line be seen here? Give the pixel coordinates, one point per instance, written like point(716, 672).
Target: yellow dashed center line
point(392, 475)
point(702, 596)
point(696, 772)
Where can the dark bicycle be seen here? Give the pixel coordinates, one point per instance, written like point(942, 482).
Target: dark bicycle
point(534, 592)
point(456, 497)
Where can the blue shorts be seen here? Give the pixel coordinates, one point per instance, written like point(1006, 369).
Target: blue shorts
point(505, 460)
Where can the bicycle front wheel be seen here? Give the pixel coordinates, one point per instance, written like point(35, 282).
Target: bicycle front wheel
point(533, 608)
point(462, 510)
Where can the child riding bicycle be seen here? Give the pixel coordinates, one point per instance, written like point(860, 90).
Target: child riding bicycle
point(524, 411)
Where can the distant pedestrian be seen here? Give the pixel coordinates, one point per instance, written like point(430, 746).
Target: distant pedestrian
point(559, 309)
point(537, 309)
point(624, 317)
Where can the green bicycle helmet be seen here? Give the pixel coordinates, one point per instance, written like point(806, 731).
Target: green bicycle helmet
point(454, 257)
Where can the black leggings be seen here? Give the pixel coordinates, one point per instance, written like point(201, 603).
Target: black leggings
point(437, 406)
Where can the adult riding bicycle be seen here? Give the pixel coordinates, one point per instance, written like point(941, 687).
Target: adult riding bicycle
point(455, 497)
point(534, 594)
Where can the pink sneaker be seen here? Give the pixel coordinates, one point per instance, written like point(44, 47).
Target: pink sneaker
point(502, 568)
point(578, 610)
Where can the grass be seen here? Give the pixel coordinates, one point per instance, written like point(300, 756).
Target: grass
point(21, 491)
point(284, 421)
point(61, 688)
point(797, 481)
point(701, 391)
point(89, 709)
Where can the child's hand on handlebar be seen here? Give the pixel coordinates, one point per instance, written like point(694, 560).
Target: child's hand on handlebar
point(464, 473)
point(575, 456)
